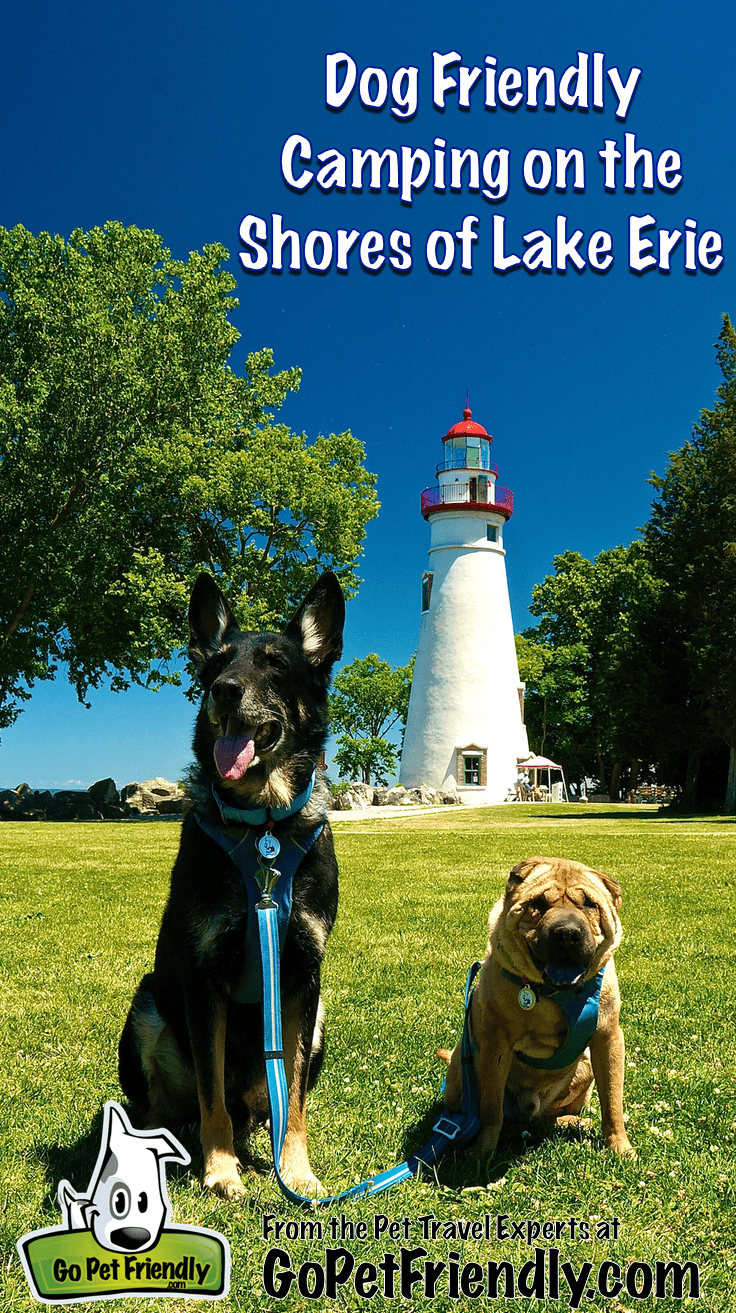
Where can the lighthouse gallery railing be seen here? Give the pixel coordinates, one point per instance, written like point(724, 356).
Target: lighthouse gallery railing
point(458, 494)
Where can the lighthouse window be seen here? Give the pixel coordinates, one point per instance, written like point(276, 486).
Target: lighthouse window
point(426, 590)
point(492, 533)
point(472, 766)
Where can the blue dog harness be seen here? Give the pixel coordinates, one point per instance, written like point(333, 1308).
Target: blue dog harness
point(247, 854)
point(269, 897)
point(580, 1007)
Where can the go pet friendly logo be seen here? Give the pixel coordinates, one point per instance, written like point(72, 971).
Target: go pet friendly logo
point(114, 1240)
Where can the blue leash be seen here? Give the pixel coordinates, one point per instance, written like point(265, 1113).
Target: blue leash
point(451, 1127)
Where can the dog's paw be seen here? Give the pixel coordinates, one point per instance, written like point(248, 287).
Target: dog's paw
point(221, 1175)
point(621, 1144)
point(306, 1184)
point(485, 1141)
point(571, 1119)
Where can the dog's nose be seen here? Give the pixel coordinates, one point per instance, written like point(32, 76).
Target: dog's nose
point(565, 937)
point(226, 692)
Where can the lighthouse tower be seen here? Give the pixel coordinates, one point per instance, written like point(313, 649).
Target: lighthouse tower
point(465, 723)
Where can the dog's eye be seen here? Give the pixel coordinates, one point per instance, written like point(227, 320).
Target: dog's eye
point(588, 902)
point(277, 663)
point(539, 905)
point(120, 1200)
point(142, 1201)
point(217, 664)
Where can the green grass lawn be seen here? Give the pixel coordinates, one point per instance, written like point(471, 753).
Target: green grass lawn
point(80, 910)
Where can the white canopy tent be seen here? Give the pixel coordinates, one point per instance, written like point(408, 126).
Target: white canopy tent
point(535, 763)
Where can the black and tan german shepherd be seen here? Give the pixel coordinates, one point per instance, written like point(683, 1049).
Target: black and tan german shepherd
point(188, 1047)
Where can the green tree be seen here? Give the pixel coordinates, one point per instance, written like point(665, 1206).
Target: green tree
point(369, 697)
point(556, 708)
point(588, 694)
point(132, 456)
point(369, 759)
point(690, 541)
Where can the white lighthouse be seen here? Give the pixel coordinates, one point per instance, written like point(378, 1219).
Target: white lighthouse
point(465, 722)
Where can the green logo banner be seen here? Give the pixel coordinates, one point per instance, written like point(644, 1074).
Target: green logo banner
point(65, 1267)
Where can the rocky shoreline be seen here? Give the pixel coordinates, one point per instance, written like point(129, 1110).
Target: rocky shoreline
point(159, 798)
point(149, 800)
point(359, 797)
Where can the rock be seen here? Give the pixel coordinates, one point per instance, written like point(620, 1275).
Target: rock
point(397, 796)
point(23, 790)
point(359, 797)
point(171, 806)
point(148, 797)
point(139, 797)
point(11, 803)
point(380, 796)
point(425, 795)
point(65, 805)
point(160, 787)
point(85, 811)
point(15, 806)
point(364, 791)
point(104, 791)
point(113, 811)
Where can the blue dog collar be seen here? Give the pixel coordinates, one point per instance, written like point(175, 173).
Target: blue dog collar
point(262, 815)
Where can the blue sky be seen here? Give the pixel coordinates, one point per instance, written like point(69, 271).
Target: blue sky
point(173, 117)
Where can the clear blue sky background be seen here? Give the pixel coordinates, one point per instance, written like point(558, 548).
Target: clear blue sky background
point(172, 117)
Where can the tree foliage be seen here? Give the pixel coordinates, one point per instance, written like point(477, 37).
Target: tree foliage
point(369, 697)
point(690, 540)
point(368, 759)
point(634, 657)
point(132, 456)
point(584, 702)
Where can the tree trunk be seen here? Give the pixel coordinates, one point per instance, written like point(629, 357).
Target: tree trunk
point(615, 776)
point(634, 775)
point(690, 791)
point(730, 803)
point(601, 765)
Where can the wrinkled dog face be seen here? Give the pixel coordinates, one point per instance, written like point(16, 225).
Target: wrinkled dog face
point(562, 918)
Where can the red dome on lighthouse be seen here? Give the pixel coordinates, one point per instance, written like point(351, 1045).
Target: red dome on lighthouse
point(467, 427)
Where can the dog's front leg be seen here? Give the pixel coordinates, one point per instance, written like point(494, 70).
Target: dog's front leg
point(607, 1057)
point(207, 1021)
point(492, 1067)
point(300, 1017)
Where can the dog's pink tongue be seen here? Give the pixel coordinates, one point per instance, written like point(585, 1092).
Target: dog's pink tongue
point(233, 755)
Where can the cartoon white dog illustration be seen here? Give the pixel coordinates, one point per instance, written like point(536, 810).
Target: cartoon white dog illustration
point(126, 1205)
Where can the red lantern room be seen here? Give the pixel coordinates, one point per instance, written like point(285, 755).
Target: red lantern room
point(467, 448)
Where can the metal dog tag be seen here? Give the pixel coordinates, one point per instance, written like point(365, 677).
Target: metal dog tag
point(269, 846)
point(527, 998)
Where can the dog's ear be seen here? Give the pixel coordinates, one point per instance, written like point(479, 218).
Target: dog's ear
point(613, 887)
point(523, 869)
point(318, 624)
point(210, 618)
